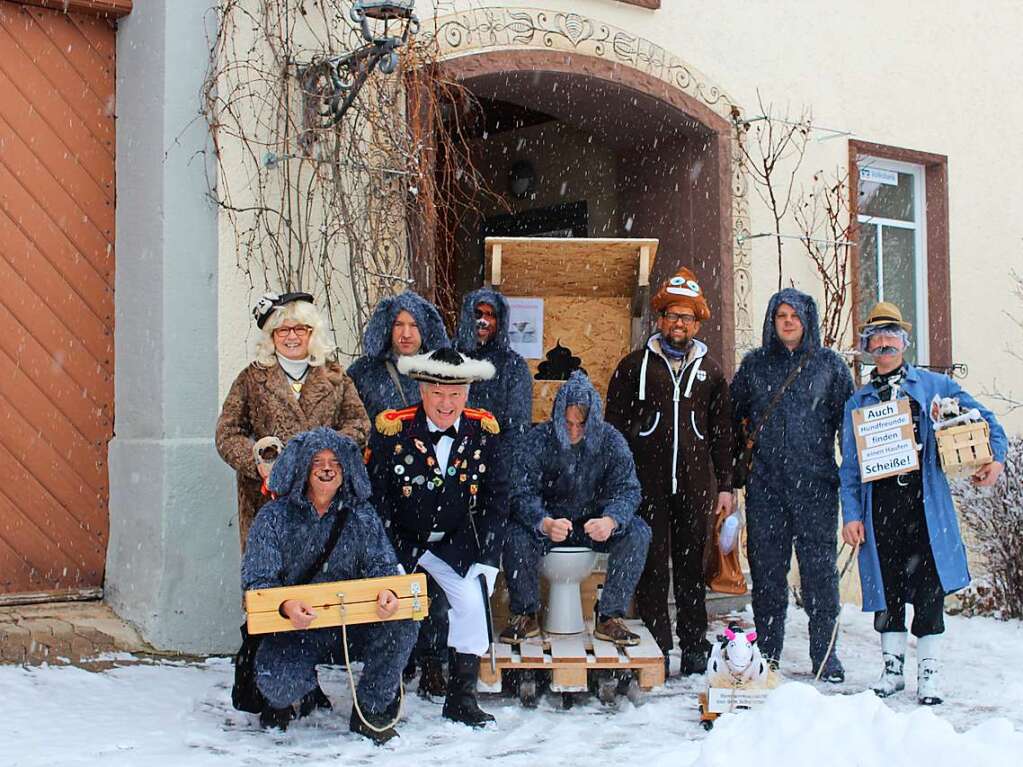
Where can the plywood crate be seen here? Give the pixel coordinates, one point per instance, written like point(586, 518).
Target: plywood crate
point(594, 291)
point(964, 448)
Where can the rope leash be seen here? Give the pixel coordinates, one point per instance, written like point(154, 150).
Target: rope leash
point(834, 631)
point(355, 697)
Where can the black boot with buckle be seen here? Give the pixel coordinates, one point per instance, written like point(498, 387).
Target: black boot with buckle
point(460, 704)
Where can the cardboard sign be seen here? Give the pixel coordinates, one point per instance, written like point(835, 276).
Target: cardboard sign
point(722, 700)
point(885, 442)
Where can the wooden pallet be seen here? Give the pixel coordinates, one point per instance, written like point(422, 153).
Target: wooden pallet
point(570, 657)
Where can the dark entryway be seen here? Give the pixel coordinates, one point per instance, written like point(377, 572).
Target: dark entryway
point(585, 148)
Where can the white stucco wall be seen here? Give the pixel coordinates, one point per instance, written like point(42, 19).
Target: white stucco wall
point(936, 76)
point(931, 75)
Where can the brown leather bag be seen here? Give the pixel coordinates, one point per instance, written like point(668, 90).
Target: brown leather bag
point(723, 572)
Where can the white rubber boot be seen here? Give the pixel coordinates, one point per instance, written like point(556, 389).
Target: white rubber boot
point(927, 664)
point(893, 652)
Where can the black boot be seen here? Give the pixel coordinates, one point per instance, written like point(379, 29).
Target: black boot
point(694, 659)
point(432, 683)
point(276, 717)
point(460, 704)
point(313, 700)
point(409, 672)
point(382, 733)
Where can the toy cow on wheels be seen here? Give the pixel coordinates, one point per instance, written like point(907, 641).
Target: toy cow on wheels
point(738, 677)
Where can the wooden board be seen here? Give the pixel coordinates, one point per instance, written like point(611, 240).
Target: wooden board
point(596, 330)
point(607, 652)
point(569, 678)
point(358, 598)
point(647, 648)
point(554, 266)
point(530, 652)
point(567, 648)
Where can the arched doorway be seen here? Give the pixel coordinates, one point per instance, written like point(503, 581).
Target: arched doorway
point(618, 140)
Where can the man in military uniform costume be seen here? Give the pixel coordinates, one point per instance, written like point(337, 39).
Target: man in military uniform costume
point(439, 485)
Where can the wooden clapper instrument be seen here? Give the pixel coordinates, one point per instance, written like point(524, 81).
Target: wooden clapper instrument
point(338, 603)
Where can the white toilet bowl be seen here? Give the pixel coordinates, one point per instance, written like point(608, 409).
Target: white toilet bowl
point(565, 569)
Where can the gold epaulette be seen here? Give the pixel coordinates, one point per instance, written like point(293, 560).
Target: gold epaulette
point(485, 417)
point(389, 422)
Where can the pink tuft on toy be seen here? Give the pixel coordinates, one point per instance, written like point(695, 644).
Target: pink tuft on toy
point(751, 636)
point(730, 635)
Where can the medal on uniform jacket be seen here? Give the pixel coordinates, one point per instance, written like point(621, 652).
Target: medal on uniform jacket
point(419, 445)
point(406, 490)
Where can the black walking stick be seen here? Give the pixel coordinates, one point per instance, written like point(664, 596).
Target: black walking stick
point(490, 622)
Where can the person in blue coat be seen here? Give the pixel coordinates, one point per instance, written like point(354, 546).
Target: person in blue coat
point(319, 481)
point(575, 485)
point(792, 490)
point(483, 334)
point(911, 549)
point(400, 326)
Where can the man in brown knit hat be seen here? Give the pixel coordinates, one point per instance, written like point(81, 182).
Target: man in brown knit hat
point(671, 401)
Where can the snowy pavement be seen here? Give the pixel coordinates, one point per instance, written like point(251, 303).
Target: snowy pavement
point(180, 714)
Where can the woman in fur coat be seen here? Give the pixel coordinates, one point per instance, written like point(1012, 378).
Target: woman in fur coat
point(292, 386)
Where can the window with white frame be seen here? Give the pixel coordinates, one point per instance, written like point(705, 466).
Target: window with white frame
point(892, 245)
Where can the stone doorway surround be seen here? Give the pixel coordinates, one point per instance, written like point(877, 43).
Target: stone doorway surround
point(483, 42)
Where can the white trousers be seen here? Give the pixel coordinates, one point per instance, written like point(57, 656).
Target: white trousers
point(467, 617)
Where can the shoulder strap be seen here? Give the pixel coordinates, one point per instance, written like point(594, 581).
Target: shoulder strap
point(397, 381)
point(777, 397)
point(335, 533)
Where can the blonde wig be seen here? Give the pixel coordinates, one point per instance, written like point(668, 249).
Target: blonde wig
point(303, 313)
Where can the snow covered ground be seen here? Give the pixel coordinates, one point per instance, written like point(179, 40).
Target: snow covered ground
point(180, 714)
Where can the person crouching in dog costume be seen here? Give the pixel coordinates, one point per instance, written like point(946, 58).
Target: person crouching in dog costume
point(911, 548)
point(575, 486)
point(439, 484)
point(319, 482)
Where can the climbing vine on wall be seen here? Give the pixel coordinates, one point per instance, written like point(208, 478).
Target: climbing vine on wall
point(334, 207)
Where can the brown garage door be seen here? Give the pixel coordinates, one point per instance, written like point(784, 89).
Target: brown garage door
point(56, 297)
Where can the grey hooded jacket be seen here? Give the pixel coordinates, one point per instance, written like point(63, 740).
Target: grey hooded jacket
point(288, 535)
point(509, 394)
point(796, 447)
point(594, 478)
point(369, 372)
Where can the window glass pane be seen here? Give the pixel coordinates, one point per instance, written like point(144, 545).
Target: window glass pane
point(868, 269)
point(899, 275)
point(885, 193)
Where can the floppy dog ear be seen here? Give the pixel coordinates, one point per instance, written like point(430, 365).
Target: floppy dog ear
point(282, 476)
point(355, 471)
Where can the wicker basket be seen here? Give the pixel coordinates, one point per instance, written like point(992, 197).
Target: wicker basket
point(964, 448)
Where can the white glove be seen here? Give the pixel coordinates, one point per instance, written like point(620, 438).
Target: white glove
point(488, 572)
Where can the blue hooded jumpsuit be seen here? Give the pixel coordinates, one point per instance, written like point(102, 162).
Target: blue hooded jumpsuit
point(286, 538)
point(373, 380)
point(792, 491)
